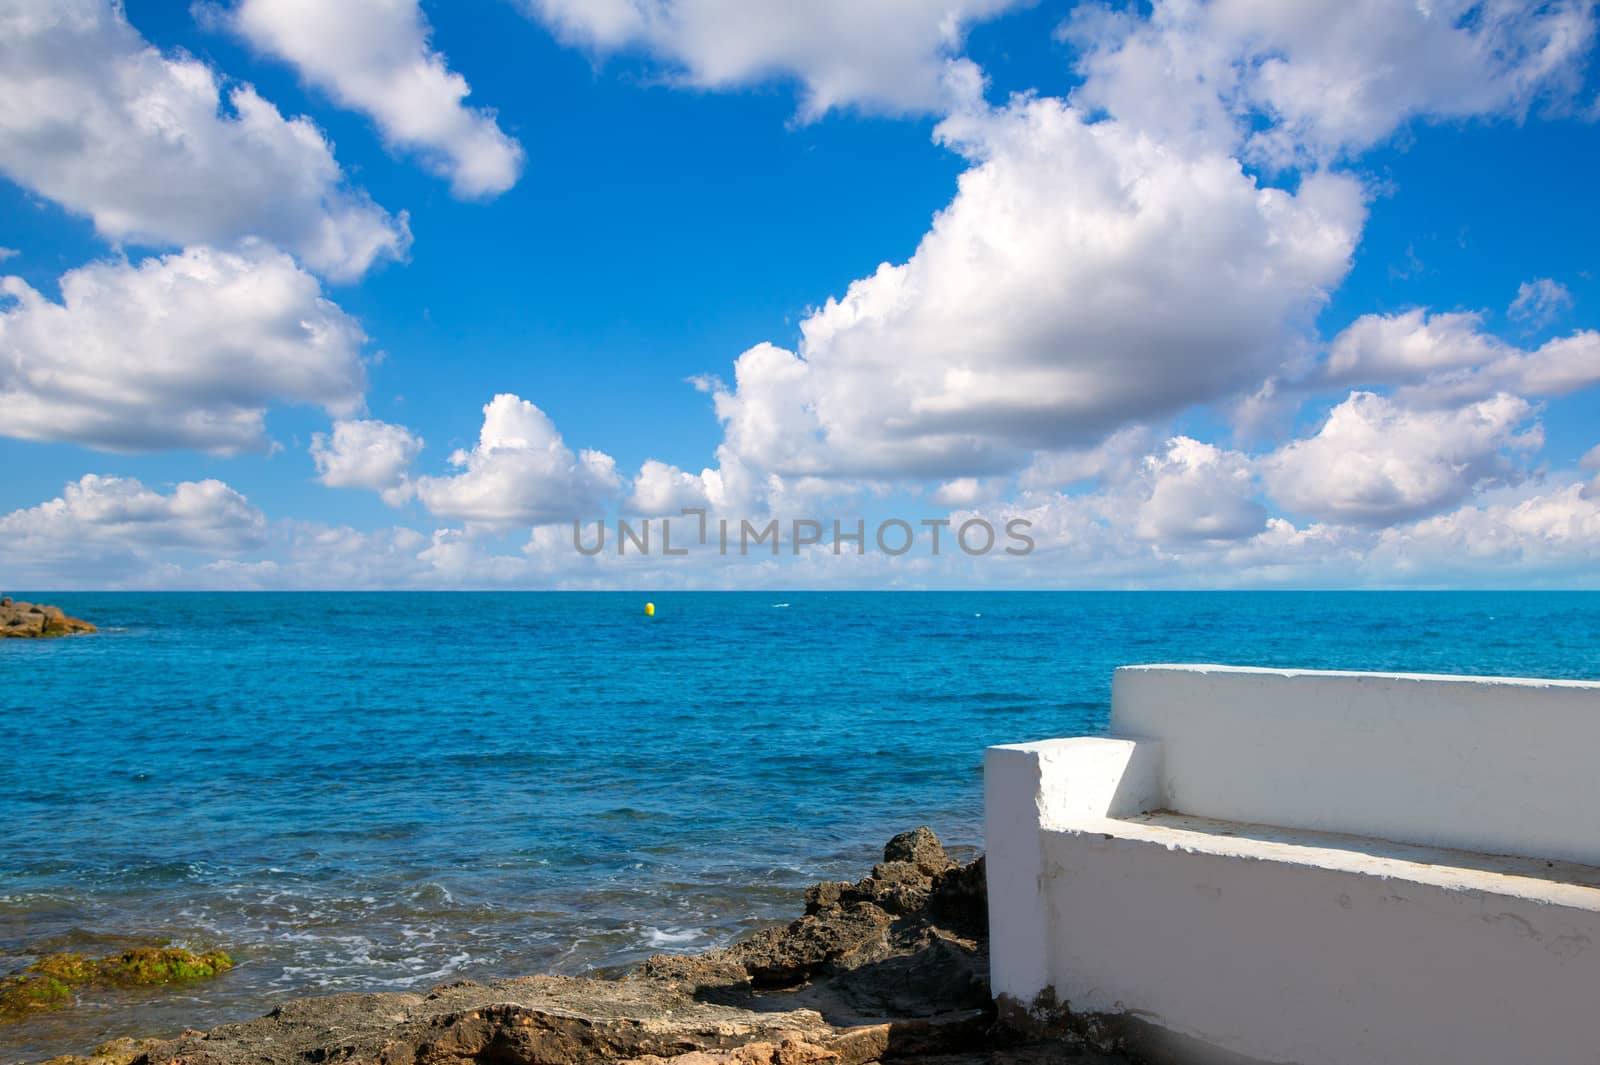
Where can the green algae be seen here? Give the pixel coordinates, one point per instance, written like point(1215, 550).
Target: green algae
point(47, 984)
point(67, 968)
point(163, 965)
point(21, 996)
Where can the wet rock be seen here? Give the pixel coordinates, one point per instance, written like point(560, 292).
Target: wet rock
point(33, 620)
point(22, 996)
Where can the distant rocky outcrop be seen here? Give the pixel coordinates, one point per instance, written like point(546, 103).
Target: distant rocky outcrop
point(33, 619)
point(893, 967)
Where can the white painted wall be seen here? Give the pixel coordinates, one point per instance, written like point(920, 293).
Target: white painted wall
point(1283, 960)
point(1286, 944)
point(1026, 787)
point(1491, 764)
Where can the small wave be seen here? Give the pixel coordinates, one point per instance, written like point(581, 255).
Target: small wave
point(660, 937)
point(777, 606)
point(453, 964)
point(432, 892)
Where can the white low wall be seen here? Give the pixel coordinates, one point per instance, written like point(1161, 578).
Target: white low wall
point(1229, 940)
point(1491, 764)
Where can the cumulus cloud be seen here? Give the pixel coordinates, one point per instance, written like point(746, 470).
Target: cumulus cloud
point(1374, 461)
point(1547, 532)
point(1199, 492)
point(881, 55)
point(521, 471)
point(152, 150)
point(965, 492)
point(1116, 458)
point(1539, 302)
point(1448, 359)
point(375, 56)
point(661, 488)
point(181, 351)
point(1313, 81)
point(1395, 348)
point(366, 453)
point(121, 512)
point(1084, 277)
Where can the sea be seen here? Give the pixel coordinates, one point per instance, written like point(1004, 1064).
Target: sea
point(389, 791)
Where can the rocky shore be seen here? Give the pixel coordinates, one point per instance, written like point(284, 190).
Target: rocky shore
point(19, 619)
point(891, 968)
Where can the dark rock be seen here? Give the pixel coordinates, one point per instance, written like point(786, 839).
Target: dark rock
point(784, 957)
point(959, 899)
point(920, 847)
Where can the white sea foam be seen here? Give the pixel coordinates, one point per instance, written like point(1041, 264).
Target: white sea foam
point(660, 937)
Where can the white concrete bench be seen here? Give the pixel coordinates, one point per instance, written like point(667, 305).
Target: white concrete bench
point(1310, 867)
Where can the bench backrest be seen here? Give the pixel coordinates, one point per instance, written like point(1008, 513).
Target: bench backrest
point(1500, 765)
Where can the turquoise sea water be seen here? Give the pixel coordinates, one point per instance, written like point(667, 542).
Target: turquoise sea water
point(390, 790)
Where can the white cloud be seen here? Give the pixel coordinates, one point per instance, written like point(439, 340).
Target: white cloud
point(1117, 458)
point(146, 145)
point(1315, 80)
point(1376, 462)
point(1499, 543)
point(366, 453)
point(1396, 348)
point(1084, 277)
point(109, 533)
point(1448, 359)
point(1591, 461)
point(661, 488)
point(182, 351)
point(965, 492)
point(321, 556)
point(882, 55)
point(1539, 302)
point(521, 471)
point(8, 253)
point(96, 511)
point(1199, 492)
point(1556, 368)
point(375, 56)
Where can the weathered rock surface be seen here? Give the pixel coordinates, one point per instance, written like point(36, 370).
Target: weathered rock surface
point(890, 968)
point(33, 619)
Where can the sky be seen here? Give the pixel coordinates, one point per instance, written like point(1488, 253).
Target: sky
point(388, 295)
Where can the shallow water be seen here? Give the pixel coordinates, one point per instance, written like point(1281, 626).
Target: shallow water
point(388, 790)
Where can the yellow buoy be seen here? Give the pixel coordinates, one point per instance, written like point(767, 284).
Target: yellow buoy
point(649, 610)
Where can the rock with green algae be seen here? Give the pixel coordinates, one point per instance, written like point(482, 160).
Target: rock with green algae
point(162, 965)
point(47, 984)
point(21, 996)
point(68, 968)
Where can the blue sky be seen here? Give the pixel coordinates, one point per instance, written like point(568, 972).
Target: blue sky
point(1255, 325)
